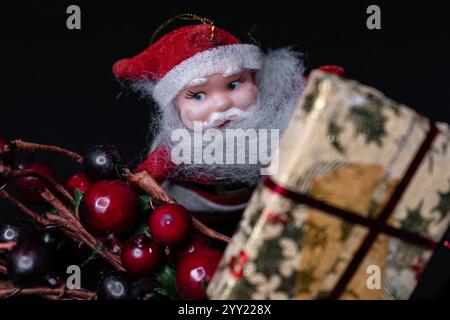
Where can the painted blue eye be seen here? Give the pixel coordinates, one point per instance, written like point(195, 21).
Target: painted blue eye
point(234, 85)
point(199, 96)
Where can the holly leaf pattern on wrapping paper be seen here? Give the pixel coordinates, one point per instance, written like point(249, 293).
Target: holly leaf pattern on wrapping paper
point(414, 221)
point(269, 261)
point(369, 122)
point(315, 236)
point(305, 278)
point(443, 207)
point(334, 131)
point(270, 252)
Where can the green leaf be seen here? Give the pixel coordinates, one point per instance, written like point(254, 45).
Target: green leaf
point(142, 229)
point(94, 255)
point(78, 195)
point(144, 202)
point(167, 277)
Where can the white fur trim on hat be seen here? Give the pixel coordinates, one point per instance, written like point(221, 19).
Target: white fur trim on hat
point(220, 59)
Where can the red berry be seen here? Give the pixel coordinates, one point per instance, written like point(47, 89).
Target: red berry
point(109, 206)
point(141, 256)
point(195, 271)
point(194, 243)
point(169, 224)
point(78, 181)
point(30, 187)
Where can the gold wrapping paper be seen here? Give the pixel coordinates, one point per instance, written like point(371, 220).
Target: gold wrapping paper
point(349, 146)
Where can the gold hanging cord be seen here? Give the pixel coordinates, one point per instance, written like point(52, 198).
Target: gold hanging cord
point(187, 17)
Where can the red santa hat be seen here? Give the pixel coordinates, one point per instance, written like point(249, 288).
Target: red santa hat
point(186, 54)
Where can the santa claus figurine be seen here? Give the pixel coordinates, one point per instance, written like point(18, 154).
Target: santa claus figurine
point(201, 74)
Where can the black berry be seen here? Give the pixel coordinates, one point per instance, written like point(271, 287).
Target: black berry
point(103, 162)
point(9, 232)
point(113, 286)
point(28, 264)
point(49, 237)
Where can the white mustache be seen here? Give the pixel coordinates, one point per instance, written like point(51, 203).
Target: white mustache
point(218, 118)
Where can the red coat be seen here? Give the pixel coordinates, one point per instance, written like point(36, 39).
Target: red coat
point(200, 195)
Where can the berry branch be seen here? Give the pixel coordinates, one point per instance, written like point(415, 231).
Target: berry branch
point(33, 147)
point(15, 174)
point(7, 290)
point(104, 177)
point(70, 225)
point(207, 231)
point(144, 181)
point(3, 269)
point(7, 245)
point(37, 217)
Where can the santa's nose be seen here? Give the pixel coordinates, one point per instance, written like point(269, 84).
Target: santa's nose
point(222, 102)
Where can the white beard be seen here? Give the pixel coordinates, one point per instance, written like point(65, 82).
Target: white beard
point(280, 83)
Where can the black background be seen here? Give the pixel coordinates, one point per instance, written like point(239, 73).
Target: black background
point(58, 87)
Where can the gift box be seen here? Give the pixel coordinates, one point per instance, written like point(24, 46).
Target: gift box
point(358, 201)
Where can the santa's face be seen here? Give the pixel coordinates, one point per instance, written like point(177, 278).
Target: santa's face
point(217, 100)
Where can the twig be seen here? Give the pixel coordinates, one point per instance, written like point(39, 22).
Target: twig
point(23, 145)
point(15, 174)
point(70, 225)
point(208, 231)
point(59, 206)
point(146, 182)
point(7, 245)
point(3, 268)
point(40, 219)
point(7, 289)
